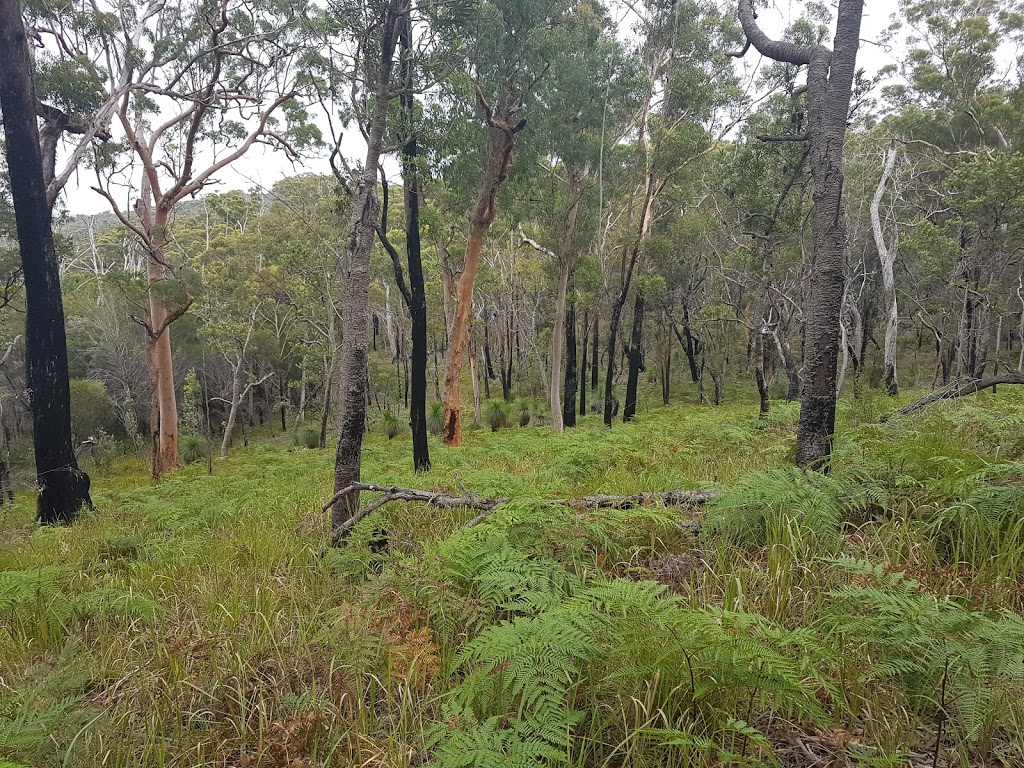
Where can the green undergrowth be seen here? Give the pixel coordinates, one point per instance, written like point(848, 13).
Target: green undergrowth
point(867, 617)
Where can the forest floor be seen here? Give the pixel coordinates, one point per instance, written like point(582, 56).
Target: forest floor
point(868, 618)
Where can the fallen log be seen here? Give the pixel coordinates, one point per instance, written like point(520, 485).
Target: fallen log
point(960, 388)
point(488, 505)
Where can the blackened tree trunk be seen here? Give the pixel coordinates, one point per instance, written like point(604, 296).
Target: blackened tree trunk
point(691, 347)
point(63, 487)
point(569, 396)
point(583, 366)
point(760, 358)
point(830, 75)
point(417, 294)
point(595, 353)
point(488, 364)
point(636, 357)
point(666, 372)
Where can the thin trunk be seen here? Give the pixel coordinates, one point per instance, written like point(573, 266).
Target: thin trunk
point(760, 353)
point(447, 290)
point(501, 143)
point(474, 374)
point(887, 259)
point(554, 395)
point(488, 365)
point(666, 372)
point(792, 372)
point(356, 266)
point(583, 365)
point(300, 415)
point(63, 487)
point(282, 388)
point(595, 353)
point(636, 358)
point(569, 406)
point(691, 347)
point(236, 400)
point(565, 263)
point(237, 393)
point(417, 292)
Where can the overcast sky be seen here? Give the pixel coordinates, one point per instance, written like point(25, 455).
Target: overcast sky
point(263, 167)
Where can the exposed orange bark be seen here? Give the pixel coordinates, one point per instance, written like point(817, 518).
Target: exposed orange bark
point(501, 142)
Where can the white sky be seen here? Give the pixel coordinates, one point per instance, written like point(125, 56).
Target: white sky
point(263, 166)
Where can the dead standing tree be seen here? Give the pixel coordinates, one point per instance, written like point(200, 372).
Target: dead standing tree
point(830, 76)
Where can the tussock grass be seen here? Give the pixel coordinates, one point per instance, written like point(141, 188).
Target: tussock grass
point(871, 617)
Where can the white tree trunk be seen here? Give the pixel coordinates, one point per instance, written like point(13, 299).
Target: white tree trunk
point(887, 258)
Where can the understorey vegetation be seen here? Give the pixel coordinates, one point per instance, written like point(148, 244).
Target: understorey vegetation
point(867, 617)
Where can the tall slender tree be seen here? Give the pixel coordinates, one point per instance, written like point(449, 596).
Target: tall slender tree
point(830, 76)
point(63, 487)
point(378, 41)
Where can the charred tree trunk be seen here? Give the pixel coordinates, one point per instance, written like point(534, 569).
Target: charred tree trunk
point(830, 75)
point(583, 366)
point(565, 261)
point(569, 406)
point(595, 353)
point(488, 364)
point(63, 487)
point(691, 347)
point(760, 353)
point(636, 357)
point(666, 372)
point(557, 337)
point(417, 292)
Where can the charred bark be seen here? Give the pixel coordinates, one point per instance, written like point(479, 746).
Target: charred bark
point(830, 75)
point(635, 355)
point(583, 366)
point(417, 292)
point(356, 269)
point(63, 487)
point(569, 404)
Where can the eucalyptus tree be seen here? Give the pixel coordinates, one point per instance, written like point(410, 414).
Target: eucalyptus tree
point(955, 105)
point(511, 53)
point(202, 84)
point(372, 30)
point(63, 487)
point(687, 110)
point(829, 89)
point(586, 95)
point(887, 259)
